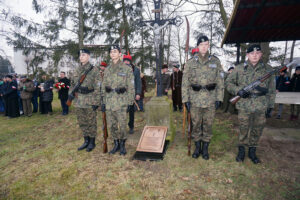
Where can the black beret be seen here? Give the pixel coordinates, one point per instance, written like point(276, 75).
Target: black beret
point(176, 65)
point(298, 68)
point(165, 66)
point(84, 51)
point(202, 38)
point(253, 47)
point(230, 68)
point(115, 46)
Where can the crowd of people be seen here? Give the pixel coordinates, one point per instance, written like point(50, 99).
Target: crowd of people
point(23, 96)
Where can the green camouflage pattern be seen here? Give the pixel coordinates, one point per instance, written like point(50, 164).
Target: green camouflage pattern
point(205, 116)
point(117, 123)
point(243, 76)
point(27, 92)
point(87, 121)
point(92, 81)
point(116, 76)
point(203, 71)
point(251, 127)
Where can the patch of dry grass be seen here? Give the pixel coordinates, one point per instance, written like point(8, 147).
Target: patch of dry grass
point(39, 160)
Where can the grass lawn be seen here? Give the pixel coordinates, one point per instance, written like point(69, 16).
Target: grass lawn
point(39, 160)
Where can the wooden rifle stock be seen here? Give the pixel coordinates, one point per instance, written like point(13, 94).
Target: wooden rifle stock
point(184, 120)
point(105, 134)
point(190, 133)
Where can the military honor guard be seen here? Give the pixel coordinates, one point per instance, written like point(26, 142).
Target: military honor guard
point(202, 89)
point(87, 97)
point(118, 96)
point(253, 105)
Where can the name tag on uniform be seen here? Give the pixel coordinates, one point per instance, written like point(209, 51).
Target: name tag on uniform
point(212, 65)
point(121, 74)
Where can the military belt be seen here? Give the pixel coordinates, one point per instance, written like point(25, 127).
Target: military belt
point(85, 90)
point(119, 90)
point(208, 87)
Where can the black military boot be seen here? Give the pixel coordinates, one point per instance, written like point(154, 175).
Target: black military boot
point(116, 147)
point(92, 145)
point(241, 154)
point(122, 147)
point(205, 155)
point(85, 144)
point(197, 151)
point(252, 155)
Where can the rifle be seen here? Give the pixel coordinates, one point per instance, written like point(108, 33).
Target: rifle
point(77, 86)
point(189, 133)
point(256, 83)
point(105, 134)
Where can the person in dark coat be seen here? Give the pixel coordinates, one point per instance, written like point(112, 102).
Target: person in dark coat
point(127, 59)
point(63, 93)
point(226, 105)
point(46, 95)
point(144, 89)
point(295, 87)
point(12, 97)
point(1, 96)
point(165, 80)
point(282, 85)
point(176, 82)
point(34, 99)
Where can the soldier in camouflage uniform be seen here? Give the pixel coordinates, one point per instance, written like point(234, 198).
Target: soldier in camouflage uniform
point(118, 93)
point(252, 106)
point(202, 89)
point(87, 98)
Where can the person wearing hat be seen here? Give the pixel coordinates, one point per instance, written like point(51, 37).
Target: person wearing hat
point(63, 92)
point(226, 105)
point(295, 87)
point(202, 93)
point(118, 96)
point(87, 97)
point(176, 82)
point(26, 87)
point(127, 59)
point(282, 85)
point(252, 105)
point(165, 80)
point(11, 96)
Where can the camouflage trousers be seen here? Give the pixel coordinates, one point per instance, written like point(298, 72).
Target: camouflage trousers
point(117, 123)
point(204, 116)
point(251, 127)
point(87, 121)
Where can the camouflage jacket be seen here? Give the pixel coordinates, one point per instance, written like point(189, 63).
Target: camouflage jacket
point(203, 71)
point(26, 89)
point(243, 75)
point(117, 76)
point(92, 82)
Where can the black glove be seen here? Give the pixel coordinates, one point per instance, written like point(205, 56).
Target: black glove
point(269, 113)
point(217, 104)
point(188, 106)
point(244, 94)
point(95, 107)
point(262, 90)
point(103, 109)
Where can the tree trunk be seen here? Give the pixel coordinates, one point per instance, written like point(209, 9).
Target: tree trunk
point(179, 46)
point(223, 13)
point(126, 26)
point(265, 47)
point(143, 51)
point(80, 16)
point(285, 51)
point(292, 55)
point(169, 45)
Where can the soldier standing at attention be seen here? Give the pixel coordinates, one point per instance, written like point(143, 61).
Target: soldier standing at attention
point(202, 89)
point(118, 91)
point(165, 80)
point(176, 81)
point(87, 97)
point(252, 106)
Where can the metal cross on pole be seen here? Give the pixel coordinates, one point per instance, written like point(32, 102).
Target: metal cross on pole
point(157, 25)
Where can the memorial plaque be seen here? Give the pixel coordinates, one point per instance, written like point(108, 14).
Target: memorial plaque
point(153, 139)
point(288, 98)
